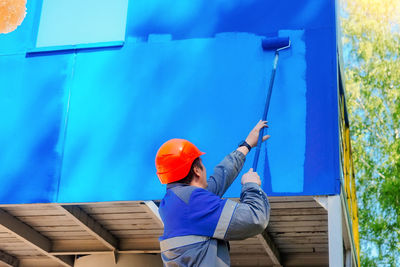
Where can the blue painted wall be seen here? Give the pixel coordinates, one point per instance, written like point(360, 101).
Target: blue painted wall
point(84, 125)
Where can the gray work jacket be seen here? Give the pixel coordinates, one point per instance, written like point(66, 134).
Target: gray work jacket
point(250, 217)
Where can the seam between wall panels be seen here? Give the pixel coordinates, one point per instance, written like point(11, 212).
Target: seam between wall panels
point(63, 131)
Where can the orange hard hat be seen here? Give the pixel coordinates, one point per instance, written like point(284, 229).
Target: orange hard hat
point(174, 160)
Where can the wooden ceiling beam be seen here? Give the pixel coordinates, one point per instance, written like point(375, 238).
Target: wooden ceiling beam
point(31, 237)
point(91, 226)
point(151, 208)
point(8, 259)
point(270, 248)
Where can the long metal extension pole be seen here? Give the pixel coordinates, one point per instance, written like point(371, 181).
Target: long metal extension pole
point(266, 107)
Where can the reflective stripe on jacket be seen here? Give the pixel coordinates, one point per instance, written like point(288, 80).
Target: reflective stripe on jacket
point(198, 223)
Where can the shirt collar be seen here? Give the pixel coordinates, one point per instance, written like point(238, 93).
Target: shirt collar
point(172, 185)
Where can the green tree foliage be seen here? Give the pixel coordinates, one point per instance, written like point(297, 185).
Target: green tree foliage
point(371, 51)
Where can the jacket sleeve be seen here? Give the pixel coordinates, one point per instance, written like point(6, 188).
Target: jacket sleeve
point(251, 215)
point(225, 173)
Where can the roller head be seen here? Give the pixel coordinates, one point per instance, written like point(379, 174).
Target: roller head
point(275, 43)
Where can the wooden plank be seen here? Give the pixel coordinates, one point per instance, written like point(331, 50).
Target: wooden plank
point(300, 234)
point(30, 236)
point(5, 234)
point(13, 245)
point(290, 199)
point(119, 216)
point(77, 245)
point(247, 250)
point(92, 226)
point(57, 228)
point(62, 235)
point(245, 260)
point(110, 205)
point(289, 218)
point(115, 227)
point(127, 233)
point(312, 248)
point(128, 221)
point(33, 257)
point(294, 205)
point(61, 218)
point(46, 220)
point(134, 237)
point(248, 241)
point(302, 211)
point(17, 212)
point(282, 241)
point(303, 250)
point(10, 239)
point(119, 209)
point(297, 229)
point(24, 253)
point(73, 238)
point(38, 224)
point(312, 259)
point(142, 240)
point(27, 207)
point(297, 223)
point(11, 250)
point(247, 247)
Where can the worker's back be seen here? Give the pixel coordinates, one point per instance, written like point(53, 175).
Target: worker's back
point(190, 215)
point(198, 223)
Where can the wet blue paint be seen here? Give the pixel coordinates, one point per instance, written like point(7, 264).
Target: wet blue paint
point(287, 118)
point(204, 78)
point(118, 119)
point(32, 104)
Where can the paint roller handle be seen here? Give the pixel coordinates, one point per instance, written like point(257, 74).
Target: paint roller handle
point(258, 148)
point(266, 108)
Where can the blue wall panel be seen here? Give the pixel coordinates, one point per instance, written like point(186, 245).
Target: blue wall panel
point(208, 90)
point(191, 70)
point(33, 98)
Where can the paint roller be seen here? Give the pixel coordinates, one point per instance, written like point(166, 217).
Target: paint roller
point(268, 44)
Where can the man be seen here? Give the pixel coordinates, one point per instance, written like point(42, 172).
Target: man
point(197, 223)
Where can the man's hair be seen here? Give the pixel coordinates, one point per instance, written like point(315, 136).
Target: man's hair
point(188, 179)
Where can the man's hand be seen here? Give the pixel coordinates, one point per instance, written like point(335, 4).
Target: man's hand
point(252, 138)
point(251, 177)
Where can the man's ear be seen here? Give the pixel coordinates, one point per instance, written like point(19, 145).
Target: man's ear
point(197, 171)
